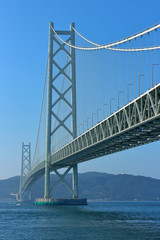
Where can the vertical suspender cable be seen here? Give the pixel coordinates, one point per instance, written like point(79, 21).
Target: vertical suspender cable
point(156, 56)
point(120, 73)
point(111, 78)
point(85, 87)
point(147, 62)
point(107, 80)
point(120, 76)
point(92, 82)
point(124, 80)
point(96, 81)
point(135, 73)
point(142, 67)
point(114, 63)
point(130, 64)
point(100, 80)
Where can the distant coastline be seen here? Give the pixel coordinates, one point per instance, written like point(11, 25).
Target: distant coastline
point(94, 186)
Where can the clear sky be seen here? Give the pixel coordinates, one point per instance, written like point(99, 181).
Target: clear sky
point(23, 53)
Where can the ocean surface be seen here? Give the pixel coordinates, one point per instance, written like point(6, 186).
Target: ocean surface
point(97, 220)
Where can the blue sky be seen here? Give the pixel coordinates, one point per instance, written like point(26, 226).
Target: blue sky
point(23, 54)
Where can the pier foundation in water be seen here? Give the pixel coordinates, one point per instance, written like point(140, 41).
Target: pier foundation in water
point(52, 201)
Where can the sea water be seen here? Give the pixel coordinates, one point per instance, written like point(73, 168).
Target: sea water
point(97, 220)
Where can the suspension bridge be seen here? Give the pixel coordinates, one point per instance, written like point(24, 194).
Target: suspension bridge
point(97, 100)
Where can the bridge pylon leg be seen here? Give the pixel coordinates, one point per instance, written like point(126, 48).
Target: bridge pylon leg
point(75, 181)
point(25, 168)
point(49, 114)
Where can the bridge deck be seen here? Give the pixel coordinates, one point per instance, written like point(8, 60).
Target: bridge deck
point(135, 124)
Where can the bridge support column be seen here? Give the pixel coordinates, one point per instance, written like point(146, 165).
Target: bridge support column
point(68, 72)
point(49, 115)
point(75, 181)
point(25, 168)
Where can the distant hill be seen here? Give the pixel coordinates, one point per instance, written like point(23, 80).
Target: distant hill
point(93, 185)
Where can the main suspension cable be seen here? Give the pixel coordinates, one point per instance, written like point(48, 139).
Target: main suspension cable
point(121, 41)
point(111, 45)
